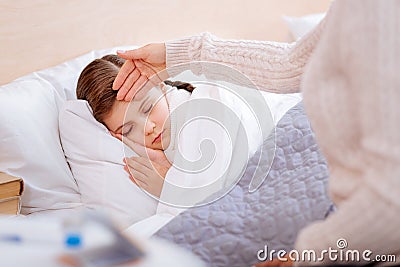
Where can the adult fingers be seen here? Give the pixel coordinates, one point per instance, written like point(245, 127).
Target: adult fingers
point(139, 83)
point(128, 84)
point(147, 80)
point(123, 73)
point(148, 70)
point(134, 53)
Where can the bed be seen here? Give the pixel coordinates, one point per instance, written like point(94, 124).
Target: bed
point(293, 195)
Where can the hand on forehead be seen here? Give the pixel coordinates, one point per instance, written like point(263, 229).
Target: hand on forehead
point(147, 90)
point(133, 75)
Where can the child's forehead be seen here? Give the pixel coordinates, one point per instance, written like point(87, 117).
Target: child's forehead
point(144, 94)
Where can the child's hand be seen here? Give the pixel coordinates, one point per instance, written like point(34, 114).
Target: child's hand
point(147, 174)
point(154, 155)
point(149, 169)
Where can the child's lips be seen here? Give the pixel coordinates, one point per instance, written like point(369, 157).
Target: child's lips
point(158, 138)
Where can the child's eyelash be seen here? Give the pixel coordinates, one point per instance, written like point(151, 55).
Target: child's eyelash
point(130, 129)
point(148, 110)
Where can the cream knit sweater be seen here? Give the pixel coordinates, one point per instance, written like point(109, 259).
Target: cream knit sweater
point(348, 70)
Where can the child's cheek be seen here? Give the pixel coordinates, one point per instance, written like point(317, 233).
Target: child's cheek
point(161, 111)
point(138, 137)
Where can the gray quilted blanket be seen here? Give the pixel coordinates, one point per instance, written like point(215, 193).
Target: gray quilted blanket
point(230, 231)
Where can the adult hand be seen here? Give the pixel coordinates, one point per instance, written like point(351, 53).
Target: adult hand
point(142, 65)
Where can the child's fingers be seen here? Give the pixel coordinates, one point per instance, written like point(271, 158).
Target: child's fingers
point(138, 166)
point(152, 167)
point(133, 180)
point(139, 149)
point(138, 183)
point(130, 170)
point(143, 161)
point(131, 177)
point(135, 177)
point(153, 155)
point(126, 168)
point(139, 177)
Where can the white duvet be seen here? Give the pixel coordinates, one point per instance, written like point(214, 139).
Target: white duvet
point(218, 133)
point(278, 104)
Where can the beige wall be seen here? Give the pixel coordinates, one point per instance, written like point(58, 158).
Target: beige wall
point(36, 34)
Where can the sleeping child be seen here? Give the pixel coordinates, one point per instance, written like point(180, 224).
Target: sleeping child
point(141, 123)
point(154, 125)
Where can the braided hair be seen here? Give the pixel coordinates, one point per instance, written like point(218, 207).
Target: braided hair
point(180, 85)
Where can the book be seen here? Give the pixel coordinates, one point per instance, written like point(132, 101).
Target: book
point(11, 205)
point(10, 186)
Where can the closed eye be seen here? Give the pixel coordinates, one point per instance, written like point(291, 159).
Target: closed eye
point(129, 129)
point(148, 109)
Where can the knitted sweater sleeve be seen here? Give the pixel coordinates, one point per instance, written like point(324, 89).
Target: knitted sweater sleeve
point(271, 66)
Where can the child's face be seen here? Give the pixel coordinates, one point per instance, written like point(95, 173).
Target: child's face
point(142, 120)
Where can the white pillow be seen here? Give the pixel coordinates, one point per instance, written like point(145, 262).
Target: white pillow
point(29, 138)
point(95, 158)
point(30, 146)
point(300, 26)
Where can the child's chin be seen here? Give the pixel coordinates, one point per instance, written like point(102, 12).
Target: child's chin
point(164, 145)
point(157, 147)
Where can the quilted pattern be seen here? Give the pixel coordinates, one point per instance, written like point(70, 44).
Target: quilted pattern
point(230, 231)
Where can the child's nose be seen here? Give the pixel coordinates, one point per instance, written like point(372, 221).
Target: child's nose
point(149, 128)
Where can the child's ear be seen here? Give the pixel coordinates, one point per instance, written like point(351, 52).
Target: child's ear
point(163, 88)
point(116, 135)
